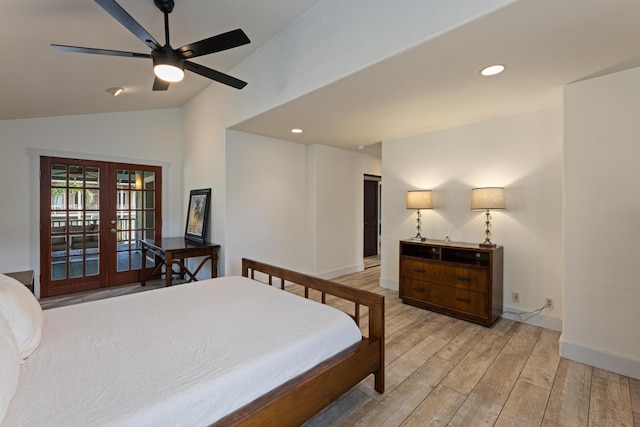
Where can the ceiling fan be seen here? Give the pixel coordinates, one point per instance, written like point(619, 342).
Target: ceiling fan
point(169, 63)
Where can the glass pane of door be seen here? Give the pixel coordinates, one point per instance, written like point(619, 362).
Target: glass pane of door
point(75, 221)
point(136, 195)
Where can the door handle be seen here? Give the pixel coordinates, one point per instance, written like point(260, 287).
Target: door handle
point(463, 299)
point(113, 230)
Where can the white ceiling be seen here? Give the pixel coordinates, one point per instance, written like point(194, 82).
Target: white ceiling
point(545, 44)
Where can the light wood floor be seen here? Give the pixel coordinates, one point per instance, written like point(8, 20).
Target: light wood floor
point(372, 261)
point(441, 371)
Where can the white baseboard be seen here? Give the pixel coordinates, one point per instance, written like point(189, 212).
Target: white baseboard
point(341, 272)
point(543, 320)
point(620, 364)
point(389, 284)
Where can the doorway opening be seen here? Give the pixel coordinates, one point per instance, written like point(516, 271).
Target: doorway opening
point(372, 219)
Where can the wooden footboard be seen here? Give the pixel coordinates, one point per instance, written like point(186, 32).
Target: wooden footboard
point(299, 399)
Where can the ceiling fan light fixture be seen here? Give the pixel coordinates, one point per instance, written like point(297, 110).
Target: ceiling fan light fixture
point(169, 73)
point(167, 65)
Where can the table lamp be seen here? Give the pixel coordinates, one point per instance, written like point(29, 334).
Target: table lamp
point(485, 199)
point(419, 199)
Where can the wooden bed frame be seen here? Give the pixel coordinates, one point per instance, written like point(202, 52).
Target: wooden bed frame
point(299, 399)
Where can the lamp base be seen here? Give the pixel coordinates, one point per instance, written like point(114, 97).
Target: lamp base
point(418, 239)
point(487, 245)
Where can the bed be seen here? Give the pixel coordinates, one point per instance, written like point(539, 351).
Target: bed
point(225, 351)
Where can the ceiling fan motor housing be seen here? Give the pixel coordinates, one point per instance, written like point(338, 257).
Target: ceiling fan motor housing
point(167, 56)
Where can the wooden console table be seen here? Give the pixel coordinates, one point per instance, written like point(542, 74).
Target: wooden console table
point(174, 250)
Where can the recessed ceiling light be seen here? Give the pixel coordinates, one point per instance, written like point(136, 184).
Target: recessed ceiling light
point(296, 130)
point(115, 91)
point(492, 70)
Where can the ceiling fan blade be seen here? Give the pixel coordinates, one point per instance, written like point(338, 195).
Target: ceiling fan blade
point(214, 75)
point(121, 15)
point(92, 50)
point(159, 84)
point(213, 44)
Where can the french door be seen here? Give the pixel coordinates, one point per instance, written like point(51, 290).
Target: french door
point(92, 216)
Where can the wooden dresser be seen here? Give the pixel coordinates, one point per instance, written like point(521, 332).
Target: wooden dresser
point(462, 280)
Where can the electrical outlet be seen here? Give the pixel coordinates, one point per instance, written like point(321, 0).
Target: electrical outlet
point(548, 303)
point(515, 296)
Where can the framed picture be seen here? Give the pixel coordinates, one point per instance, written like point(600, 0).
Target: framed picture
point(197, 215)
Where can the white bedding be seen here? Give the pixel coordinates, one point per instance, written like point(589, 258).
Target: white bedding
point(184, 355)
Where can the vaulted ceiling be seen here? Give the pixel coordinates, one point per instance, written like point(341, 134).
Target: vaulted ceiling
point(545, 44)
point(39, 81)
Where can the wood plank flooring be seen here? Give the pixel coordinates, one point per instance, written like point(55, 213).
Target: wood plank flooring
point(442, 371)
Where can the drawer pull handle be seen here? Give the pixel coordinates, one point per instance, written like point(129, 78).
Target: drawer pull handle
point(465, 278)
point(463, 299)
point(418, 289)
point(418, 270)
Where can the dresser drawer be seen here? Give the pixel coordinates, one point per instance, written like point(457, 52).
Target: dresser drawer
point(419, 270)
point(473, 279)
point(459, 299)
point(417, 289)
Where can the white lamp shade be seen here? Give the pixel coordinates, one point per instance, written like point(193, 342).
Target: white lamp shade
point(419, 199)
point(487, 198)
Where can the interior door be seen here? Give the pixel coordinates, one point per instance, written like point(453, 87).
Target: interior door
point(370, 217)
point(92, 215)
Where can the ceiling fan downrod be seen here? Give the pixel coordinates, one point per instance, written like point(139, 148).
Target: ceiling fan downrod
point(166, 6)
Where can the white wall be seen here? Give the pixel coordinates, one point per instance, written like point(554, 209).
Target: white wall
point(266, 201)
point(203, 151)
point(339, 209)
point(144, 137)
point(295, 205)
point(523, 154)
point(330, 41)
point(601, 222)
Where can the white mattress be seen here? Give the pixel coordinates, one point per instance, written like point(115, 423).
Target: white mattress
point(184, 355)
